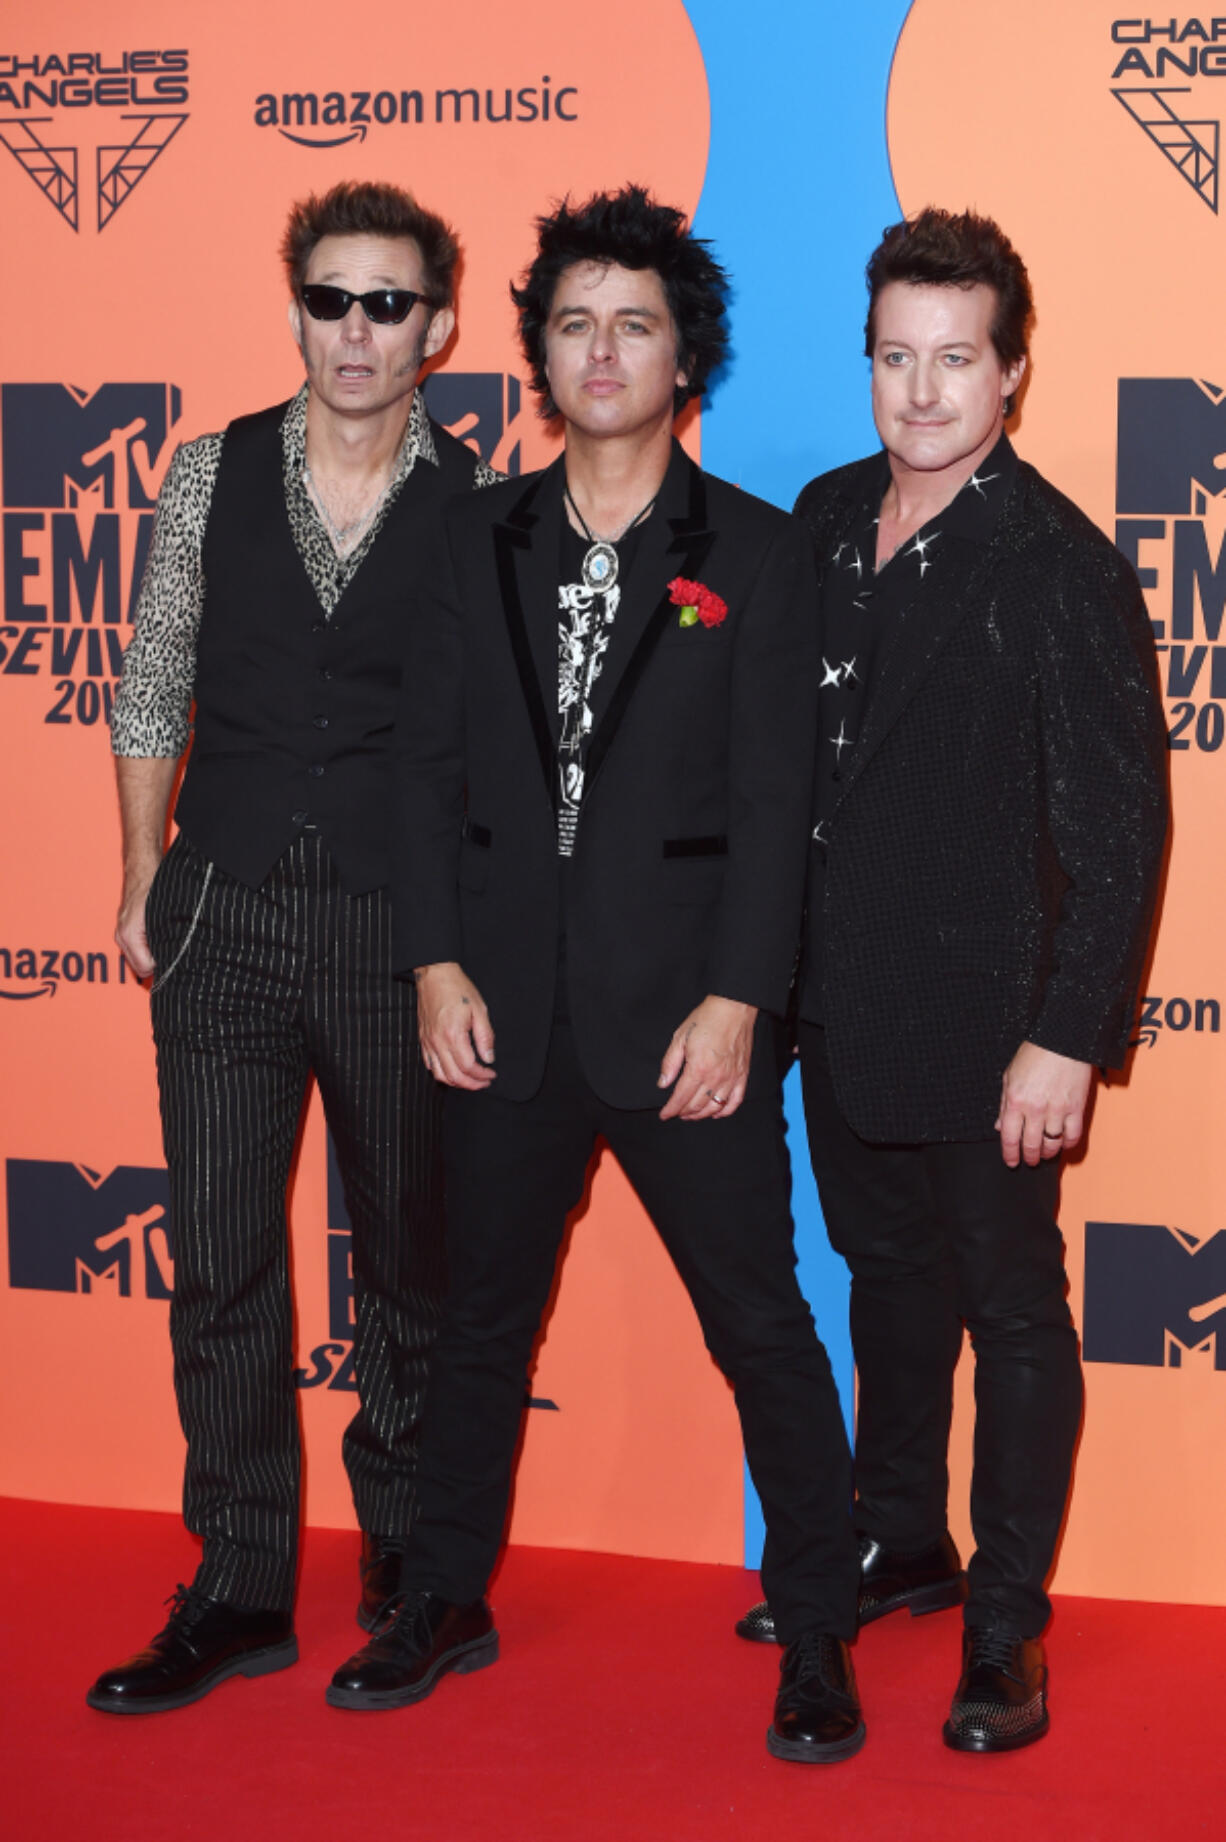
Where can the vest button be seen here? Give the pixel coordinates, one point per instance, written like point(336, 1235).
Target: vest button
point(297, 818)
point(315, 770)
point(319, 627)
point(321, 722)
point(325, 671)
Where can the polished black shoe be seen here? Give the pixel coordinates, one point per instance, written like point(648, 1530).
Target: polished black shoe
point(419, 1638)
point(1001, 1699)
point(379, 1566)
point(817, 1710)
point(203, 1641)
point(928, 1580)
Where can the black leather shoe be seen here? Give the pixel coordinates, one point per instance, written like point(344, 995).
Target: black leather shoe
point(1001, 1699)
point(418, 1640)
point(926, 1581)
point(817, 1710)
point(203, 1642)
point(379, 1566)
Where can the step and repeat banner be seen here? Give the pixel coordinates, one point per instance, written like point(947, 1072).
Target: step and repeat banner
point(146, 166)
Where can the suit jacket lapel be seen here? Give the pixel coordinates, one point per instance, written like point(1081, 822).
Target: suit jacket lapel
point(526, 554)
point(675, 542)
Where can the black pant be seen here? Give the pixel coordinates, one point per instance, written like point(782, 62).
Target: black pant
point(937, 1236)
point(255, 990)
point(718, 1192)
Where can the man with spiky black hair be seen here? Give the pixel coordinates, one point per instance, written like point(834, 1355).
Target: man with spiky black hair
point(603, 766)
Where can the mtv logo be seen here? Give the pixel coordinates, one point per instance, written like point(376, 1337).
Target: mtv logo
point(481, 409)
point(1153, 1296)
point(1171, 441)
point(62, 444)
point(73, 1230)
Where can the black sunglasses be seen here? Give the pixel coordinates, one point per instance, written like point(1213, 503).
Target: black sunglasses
point(385, 306)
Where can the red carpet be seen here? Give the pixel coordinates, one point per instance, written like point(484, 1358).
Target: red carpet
point(623, 1710)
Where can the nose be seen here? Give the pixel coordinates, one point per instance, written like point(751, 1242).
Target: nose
point(600, 345)
point(925, 384)
point(355, 327)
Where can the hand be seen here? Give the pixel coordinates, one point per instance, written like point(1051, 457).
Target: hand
point(457, 1040)
point(713, 1047)
point(130, 927)
point(1042, 1104)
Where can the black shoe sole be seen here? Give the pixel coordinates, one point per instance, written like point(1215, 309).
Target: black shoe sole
point(461, 1662)
point(959, 1742)
point(920, 1602)
point(923, 1600)
point(254, 1663)
point(801, 1752)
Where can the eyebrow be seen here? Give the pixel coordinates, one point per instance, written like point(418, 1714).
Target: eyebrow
point(639, 313)
point(949, 345)
point(332, 278)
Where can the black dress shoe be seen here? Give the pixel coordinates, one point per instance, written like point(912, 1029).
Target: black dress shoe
point(817, 1710)
point(1001, 1699)
point(379, 1566)
point(203, 1642)
point(927, 1580)
point(419, 1639)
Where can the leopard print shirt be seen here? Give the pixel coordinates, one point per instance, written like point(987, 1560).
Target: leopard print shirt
point(152, 714)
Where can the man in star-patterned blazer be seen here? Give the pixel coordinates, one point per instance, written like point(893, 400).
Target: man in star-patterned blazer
point(990, 808)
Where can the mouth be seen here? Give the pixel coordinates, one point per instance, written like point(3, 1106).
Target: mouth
point(355, 373)
point(602, 386)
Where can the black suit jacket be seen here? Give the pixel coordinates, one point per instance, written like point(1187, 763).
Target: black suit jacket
point(689, 861)
point(994, 856)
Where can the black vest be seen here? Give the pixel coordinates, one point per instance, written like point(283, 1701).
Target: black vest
point(294, 712)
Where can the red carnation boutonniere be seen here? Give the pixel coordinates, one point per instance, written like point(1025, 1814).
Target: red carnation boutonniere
point(697, 603)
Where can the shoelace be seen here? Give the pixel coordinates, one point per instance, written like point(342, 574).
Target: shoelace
point(811, 1655)
point(995, 1647)
point(188, 1606)
point(402, 1623)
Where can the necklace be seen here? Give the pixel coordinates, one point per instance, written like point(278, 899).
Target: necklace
point(344, 536)
point(600, 558)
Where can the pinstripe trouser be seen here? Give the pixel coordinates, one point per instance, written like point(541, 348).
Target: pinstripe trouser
point(256, 990)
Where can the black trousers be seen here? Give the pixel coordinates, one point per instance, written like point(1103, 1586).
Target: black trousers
point(255, 991)
point(718, 1192)
point(938, 1236)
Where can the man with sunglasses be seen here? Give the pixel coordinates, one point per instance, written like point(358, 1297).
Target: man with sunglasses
point(275, 599)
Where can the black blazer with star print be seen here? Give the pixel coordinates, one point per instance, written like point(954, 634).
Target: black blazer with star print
point(688, 870)
point(993, 859)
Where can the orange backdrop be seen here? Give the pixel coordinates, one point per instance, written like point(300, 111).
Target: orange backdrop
point(145, 169)
point(170, 277)
point(1127, 256)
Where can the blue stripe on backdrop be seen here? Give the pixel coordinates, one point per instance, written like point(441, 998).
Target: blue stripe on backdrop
point(797, 191)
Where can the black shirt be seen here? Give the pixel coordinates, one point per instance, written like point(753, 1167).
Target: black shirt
point(862, 610)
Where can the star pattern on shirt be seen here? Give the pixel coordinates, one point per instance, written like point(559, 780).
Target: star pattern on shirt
point(919, 548)
point(979, 483)
point(841, 741)
point(831, 674)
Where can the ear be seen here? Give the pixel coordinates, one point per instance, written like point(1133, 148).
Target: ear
point(439, 331)
point(1012, 378)
point(295, 321)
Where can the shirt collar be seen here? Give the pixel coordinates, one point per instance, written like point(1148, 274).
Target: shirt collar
point(418, 443)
